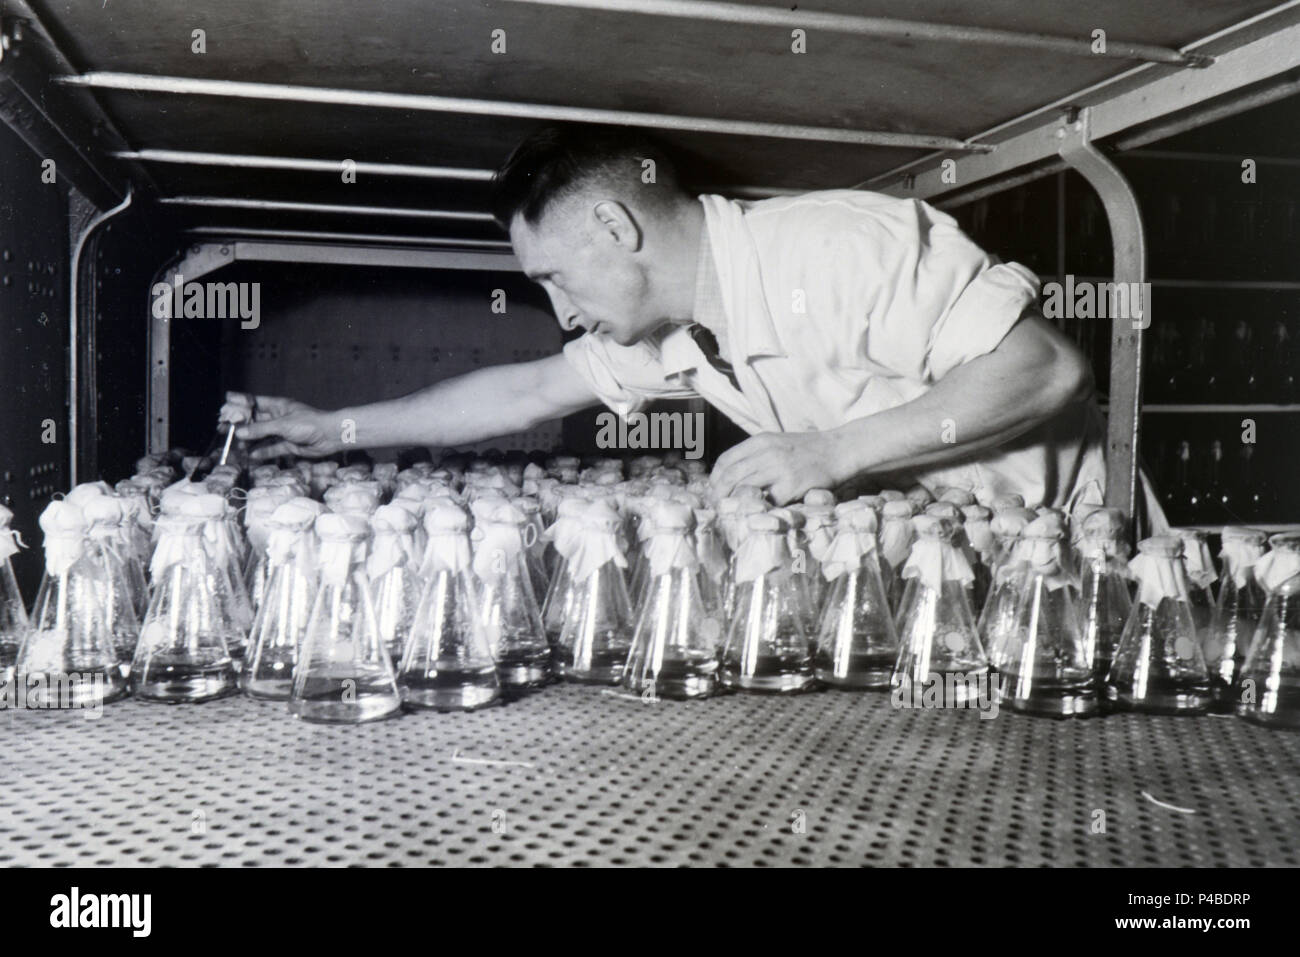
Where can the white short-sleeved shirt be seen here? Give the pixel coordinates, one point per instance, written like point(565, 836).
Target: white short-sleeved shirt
point(843, 303)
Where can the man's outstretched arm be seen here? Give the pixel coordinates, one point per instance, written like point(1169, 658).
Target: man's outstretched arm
point(468, 408)
point(1033, 374)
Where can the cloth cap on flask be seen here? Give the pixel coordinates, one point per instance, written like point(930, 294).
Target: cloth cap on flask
point(1008, 500)
point(819, 496)
point(83, 493)
point(919, 496)
point(891, 495)
point(1104, 523)
point(958, 496)
point(445, 518)
point(934, 527)
point(844, 509)
point(671, 517)
point(1011, 521)
point(945, 510)
point(1246, 536)
point(1196, 551)
point(897, 509)
point(258, 474)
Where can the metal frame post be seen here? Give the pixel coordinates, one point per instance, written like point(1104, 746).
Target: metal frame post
point(1130, 266)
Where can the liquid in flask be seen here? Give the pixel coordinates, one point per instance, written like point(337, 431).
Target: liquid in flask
point(344, 674)
point(1105, 603)
point(596, 634)
point(1159, 666)
point(67, 658)
point(13, 614)
point(675, 646)
point(184, 650)
point(1237, 611)
point(939, 644)
point(447, 664)
point(285, 611)
point(857, 643)
point(1044, 662)
point(767, 648)
point(509, 609)
point(392, 567)
point(1268, 691)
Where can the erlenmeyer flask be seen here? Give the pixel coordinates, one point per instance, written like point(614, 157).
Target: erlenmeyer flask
point(534, 543)
point(675, 647)
point(344, 673)
point(447, 664)
point(67, 659)
point(767, 647)
point(713, 568)
point(1104, 602)
point(184, 649)
point(937, 633)
point(997, 618)
point(563, 539)
point(258, 509)
point(976, 523)
point(596, 634)
point(121, 580)
point(857, 644)
point(896, 537)
point(818, 512)
point(1044, 658)
point(1238, 609)
point(281, 623)
point(511, 618)
point(1158, 666)
point(1268, 689)
point(137, 509)
point(1201, 577)
point(392, 568)
point(638, 573)
point(734, 519)
point(225, 563)
point(13, 616)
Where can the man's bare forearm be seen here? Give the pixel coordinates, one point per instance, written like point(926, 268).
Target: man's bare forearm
point(981, 405)
point(470, 408)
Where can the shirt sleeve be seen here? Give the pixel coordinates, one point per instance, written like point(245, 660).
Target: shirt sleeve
point(624, 378)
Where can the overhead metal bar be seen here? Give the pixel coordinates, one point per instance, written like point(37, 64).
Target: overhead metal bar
point(329, 236)
point(351, 255)
point(1131, 104)
point(1128, 241)
point(887, 28)
point(373, 99)
point(245, 161)
point(226, 202)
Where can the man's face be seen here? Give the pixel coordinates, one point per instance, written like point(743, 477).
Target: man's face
point(593, 279)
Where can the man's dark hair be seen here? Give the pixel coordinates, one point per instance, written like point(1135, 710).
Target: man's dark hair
point(556, 161)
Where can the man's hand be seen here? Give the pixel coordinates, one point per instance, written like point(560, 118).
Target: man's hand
point(787, 464)
point(301, 429)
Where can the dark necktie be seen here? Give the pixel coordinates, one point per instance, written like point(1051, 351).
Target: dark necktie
point(708, 343)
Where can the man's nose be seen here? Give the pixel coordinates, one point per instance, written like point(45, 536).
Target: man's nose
point(565, 314)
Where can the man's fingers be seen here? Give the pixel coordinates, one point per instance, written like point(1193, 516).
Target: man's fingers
point(270, 406)
point(273, 451)
point(261, 429)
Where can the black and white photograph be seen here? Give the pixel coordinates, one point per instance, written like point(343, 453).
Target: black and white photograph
point(651, 434)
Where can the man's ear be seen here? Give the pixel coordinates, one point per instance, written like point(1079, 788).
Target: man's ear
point(617, 222)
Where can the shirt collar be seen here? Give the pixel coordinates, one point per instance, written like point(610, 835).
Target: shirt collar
point(678, 351)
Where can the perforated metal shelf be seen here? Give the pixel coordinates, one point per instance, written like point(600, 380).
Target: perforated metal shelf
point(601, 779)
